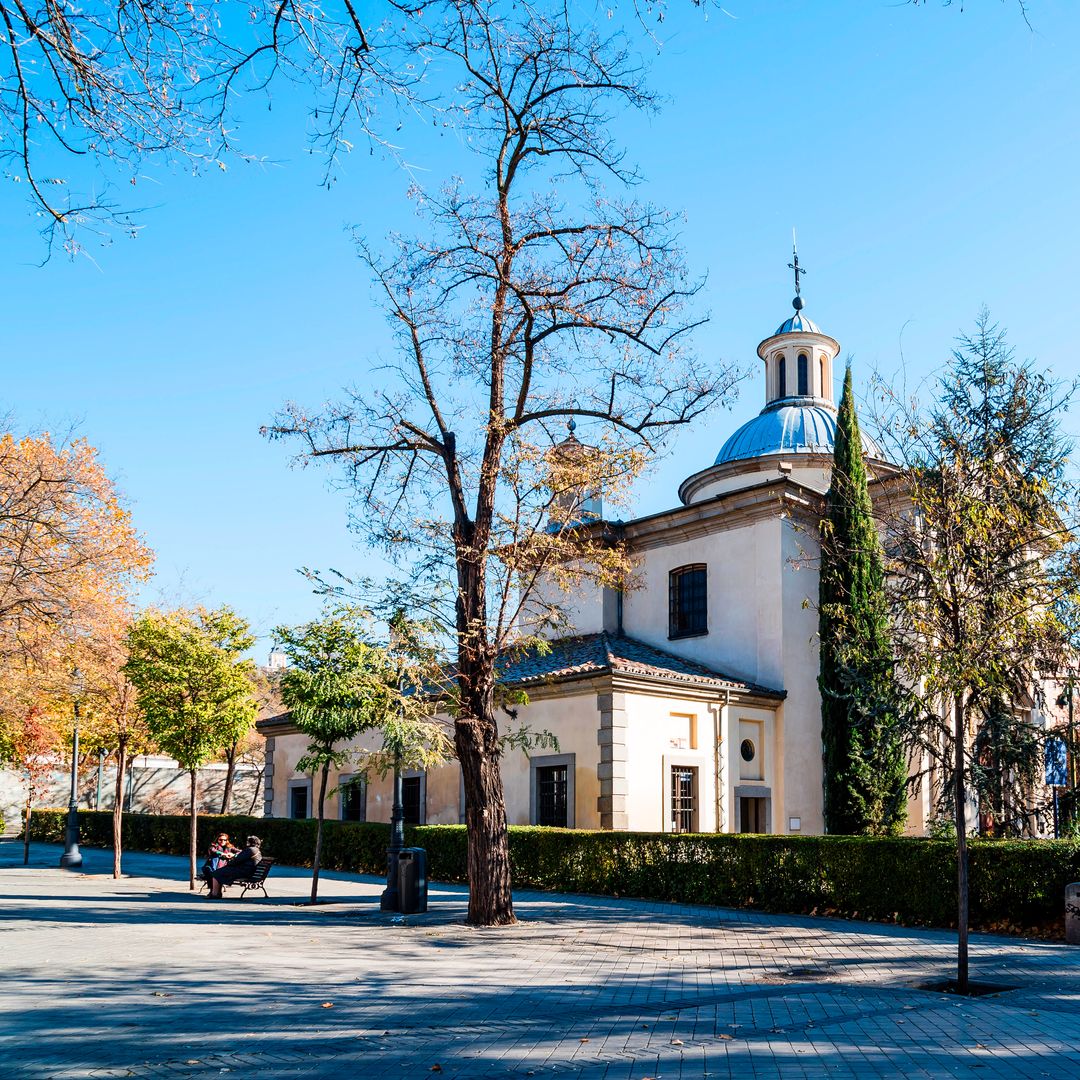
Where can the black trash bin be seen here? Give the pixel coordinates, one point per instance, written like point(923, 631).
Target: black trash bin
point(412, 880)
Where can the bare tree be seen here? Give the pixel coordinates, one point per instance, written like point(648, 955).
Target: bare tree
point(89, 92)
point(528, 303)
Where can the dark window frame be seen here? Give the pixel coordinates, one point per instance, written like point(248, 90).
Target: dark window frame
point(804, 375)
point(781, 377)
point(688, 601)
point(352, 788)
point(407, 804)
point(303, 786)
point(538, 766)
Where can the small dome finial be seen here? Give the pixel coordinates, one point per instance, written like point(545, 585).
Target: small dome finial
point(571, 425)
point(798, 303)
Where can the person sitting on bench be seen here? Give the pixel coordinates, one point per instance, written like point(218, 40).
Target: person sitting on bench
point(221, 851)
point(237, 868)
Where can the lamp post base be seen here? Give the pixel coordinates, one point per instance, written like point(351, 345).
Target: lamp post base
point(71, 860)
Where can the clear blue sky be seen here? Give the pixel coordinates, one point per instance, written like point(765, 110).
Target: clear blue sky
point(928, 156)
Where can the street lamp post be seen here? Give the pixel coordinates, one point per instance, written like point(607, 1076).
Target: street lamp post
point(391, 901)
point(1071, 759)
point(72, 857)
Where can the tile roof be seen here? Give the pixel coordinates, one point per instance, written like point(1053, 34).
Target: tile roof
point(594, 654)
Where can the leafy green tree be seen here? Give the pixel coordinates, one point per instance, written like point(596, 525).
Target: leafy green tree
point(336, 686)
point(193, 687)
point(864, 759)
point(339, 684)
point(983, 558)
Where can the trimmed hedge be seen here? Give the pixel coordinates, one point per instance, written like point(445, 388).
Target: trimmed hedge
point(1016, 885)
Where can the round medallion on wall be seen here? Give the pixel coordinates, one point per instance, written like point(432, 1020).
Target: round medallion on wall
point(748, 750)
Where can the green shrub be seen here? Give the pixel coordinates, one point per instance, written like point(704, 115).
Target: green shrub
point(1015, 884)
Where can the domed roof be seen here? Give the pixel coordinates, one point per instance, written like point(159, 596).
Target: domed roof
point(797, 324)
point(789, 426)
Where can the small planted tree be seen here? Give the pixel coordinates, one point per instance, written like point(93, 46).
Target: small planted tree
point(33, 746)
point(339, 684)
point(983, 558)
point(115, 724)
point(335, 687)
point(865, 765)
point(193, 687)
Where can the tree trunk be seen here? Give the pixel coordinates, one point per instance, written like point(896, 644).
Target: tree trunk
point(959, 735)
point(26, 825)
point(318, 834)
point(230, 776)
point(118, 810)
point(490, 899)
point(476, 738)
point(258, 792)
point(194, 816)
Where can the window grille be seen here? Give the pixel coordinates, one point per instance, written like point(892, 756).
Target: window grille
point(683, 798)
point(551, 796)
point(298, 801)
point(688, 601)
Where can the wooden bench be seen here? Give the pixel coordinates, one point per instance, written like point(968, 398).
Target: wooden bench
point(254, 880)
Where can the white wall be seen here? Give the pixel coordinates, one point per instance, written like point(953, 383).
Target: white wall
point(658, 737)
point(743, 598)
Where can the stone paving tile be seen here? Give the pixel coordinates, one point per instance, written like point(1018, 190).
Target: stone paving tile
point(138, 978)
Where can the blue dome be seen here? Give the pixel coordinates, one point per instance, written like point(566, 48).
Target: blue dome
point(798, 324)
point(789, 426)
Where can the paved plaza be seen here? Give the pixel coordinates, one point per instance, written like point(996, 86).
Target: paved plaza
point(138, 978)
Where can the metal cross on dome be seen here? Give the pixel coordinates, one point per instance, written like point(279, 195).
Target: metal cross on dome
point(799, 271)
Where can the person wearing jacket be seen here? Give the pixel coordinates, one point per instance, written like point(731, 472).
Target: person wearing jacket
point(238, 867)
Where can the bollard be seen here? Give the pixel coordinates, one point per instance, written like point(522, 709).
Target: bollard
point(1072, 913)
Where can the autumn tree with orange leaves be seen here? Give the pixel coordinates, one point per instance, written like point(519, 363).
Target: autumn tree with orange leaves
point(70, 558)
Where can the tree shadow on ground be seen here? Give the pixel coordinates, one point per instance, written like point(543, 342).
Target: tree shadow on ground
point(265, 1020)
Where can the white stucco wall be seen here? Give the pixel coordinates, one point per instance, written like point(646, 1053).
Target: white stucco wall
point(799, 727)
point(812, 470)
point(572, 719)
point(658, 737)
point(744, 628)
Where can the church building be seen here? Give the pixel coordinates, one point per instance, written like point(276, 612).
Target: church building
point(689, 703)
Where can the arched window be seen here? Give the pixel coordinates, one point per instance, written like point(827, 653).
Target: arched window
point(781, 377)
point(822, 389)
point(804, 374)
point(688, 601)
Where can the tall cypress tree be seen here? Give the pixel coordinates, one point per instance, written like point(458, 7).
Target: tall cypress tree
point(864, 761)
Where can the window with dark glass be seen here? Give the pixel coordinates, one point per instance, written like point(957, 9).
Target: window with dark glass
point(684, 798)
point(551, 795)
point(781, 377)
point(298, 801)
point(410, 799)
point(804, 374)
point(687, 601)
point(354, 800)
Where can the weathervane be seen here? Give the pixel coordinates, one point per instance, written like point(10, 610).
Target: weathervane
point(798, 302)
